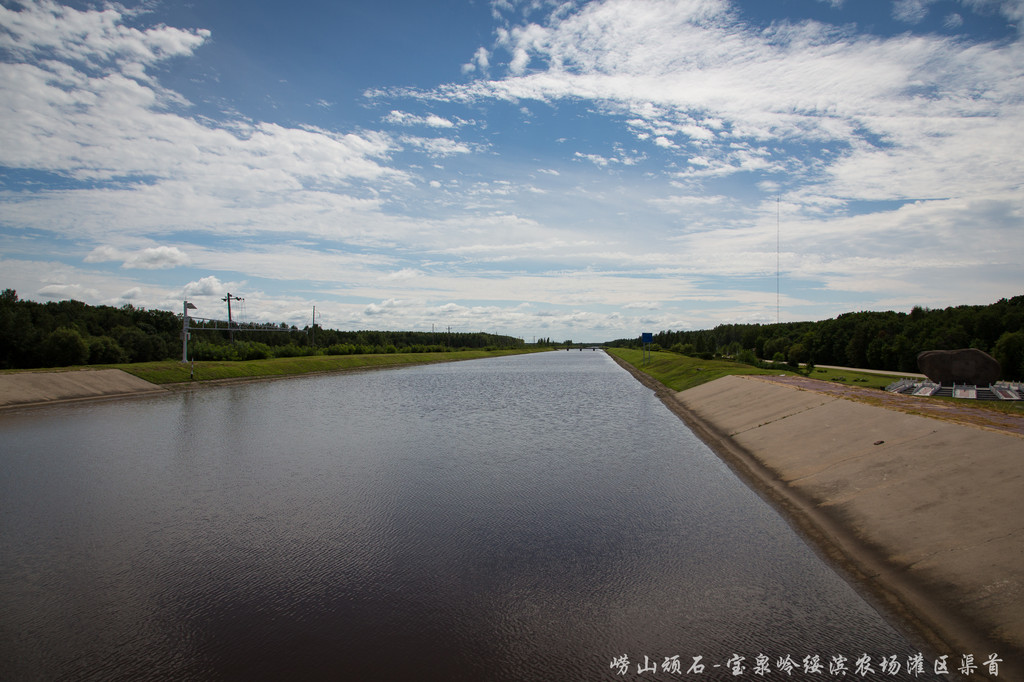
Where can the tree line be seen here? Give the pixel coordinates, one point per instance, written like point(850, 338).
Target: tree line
point(64, 333)
point(872, 340)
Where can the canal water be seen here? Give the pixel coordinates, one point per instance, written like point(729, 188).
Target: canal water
point(533, 517)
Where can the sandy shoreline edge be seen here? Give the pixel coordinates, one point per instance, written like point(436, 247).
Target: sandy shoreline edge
point(903, 562)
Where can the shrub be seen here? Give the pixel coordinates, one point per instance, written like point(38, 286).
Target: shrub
point(63, 347)
point(293, 351)
point(1009, 353)
point(104, 350)
point(152, 348)
point(747, 356)
point(252, 350)
point(288, 351)
point(797, 354)
point(204, 350)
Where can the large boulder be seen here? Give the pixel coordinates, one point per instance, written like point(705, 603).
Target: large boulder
point(964, 366)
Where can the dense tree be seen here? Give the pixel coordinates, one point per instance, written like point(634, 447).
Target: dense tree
point(1009, 352)
point(798, 354)
point(29, 338)
point(65, 346)
point(876, 340)
point(104, 350)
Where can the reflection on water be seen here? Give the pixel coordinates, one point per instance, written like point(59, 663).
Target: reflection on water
point(528, 517)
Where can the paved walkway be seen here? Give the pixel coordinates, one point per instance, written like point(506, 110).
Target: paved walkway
point(884, 372)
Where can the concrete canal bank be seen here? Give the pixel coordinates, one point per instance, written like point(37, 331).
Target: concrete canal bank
point(927, 514)
point(33, 388)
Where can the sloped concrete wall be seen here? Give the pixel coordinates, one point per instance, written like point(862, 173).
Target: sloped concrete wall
point(931, 513)
point(26, 388)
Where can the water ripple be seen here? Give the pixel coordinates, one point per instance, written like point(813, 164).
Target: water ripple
point(528, 517)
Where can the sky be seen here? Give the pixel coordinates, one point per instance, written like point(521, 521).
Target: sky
point(569, 170)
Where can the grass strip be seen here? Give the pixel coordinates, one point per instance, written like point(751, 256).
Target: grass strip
point(680, 372)
point(173, 371)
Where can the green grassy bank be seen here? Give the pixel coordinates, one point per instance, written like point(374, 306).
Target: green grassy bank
point(680, 372)
point(174, 371)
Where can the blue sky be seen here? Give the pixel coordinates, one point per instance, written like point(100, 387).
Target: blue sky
point(562, 169)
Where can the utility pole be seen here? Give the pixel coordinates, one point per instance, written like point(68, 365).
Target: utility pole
point(231, 328)
point(778, 256)
point(313, 329)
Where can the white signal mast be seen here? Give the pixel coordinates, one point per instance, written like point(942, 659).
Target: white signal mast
point(185, 329)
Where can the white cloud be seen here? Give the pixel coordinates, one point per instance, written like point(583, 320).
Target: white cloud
point(150, 258)
point(437, 146)
point(96, 117)
point(403, 275)
point(918, 102)
point(384, 307)
point(689, 202)
point(595, 159)
point(157, 258)
point(715, 112)
point(406, 119)
point(67, 291)
point(93, 38)
point(102, 254)
point(207, 286)
point(910, 11)
point(480, 60)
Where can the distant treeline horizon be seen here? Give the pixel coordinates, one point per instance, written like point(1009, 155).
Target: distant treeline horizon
point(69, 332)
point(871, 340)
point(65, 333)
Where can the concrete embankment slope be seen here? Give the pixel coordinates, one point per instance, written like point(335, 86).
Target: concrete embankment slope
point(28, 388)
point(927, 513)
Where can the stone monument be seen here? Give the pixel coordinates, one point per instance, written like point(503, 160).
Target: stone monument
point(965, 366)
